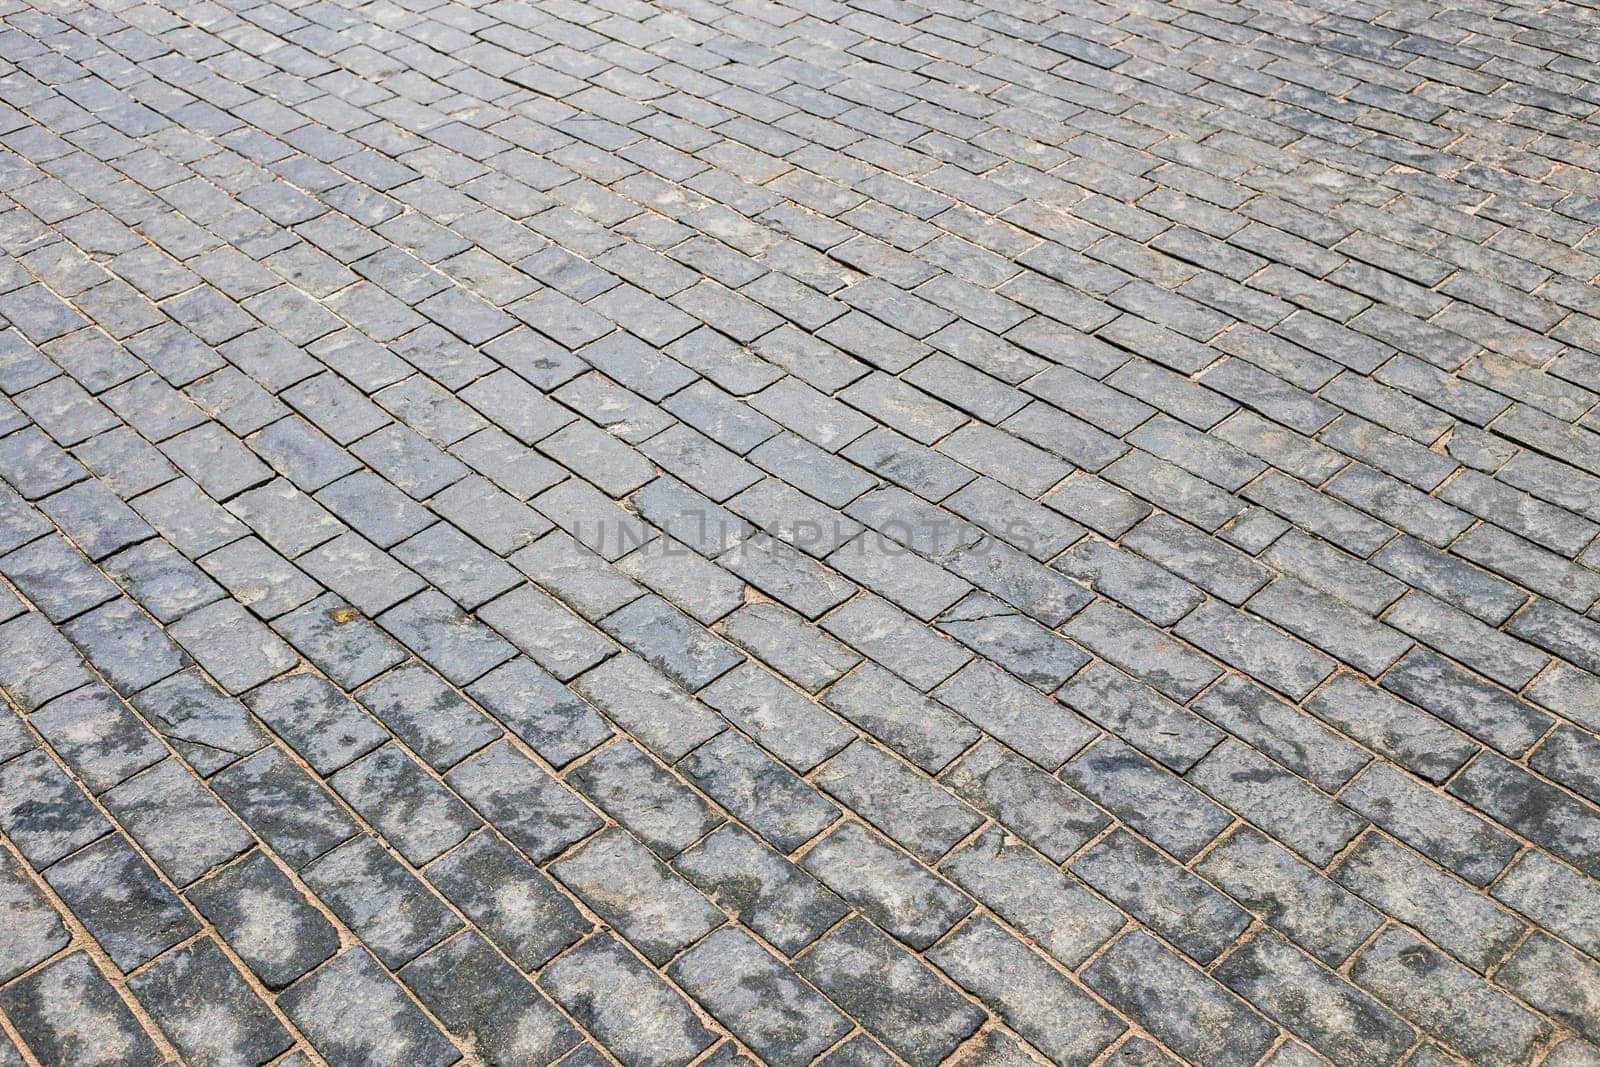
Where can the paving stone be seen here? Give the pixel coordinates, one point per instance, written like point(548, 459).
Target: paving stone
point(284, 805)
point(1332, 1016)
point(36, 929)
point(1447, 1000)
point(1153, 592)
point(1190, 914)
point(779, 1017)
point(529, 806)
point(888, 887)
point(1486, 650)
point(1141, 650)
point(59, 581)
point(1185, 1009)
point(1052, 909)
point(236, 650)
point(1537, 810)
point(646, 703)
point(610, 992)
point(339, 640)
point(1031, 996)
point(121, 901)
point(671, 642)
point(1477, 708)
point(787, 724)
point(766, 892)
point(96, 735)
point(352, 1012)
point(1281, 732)
point(478, 996)
point(1171, 735)
point(894, 995)
point(556, 638)
point(655, 806)
point(206, 1009)
point(918, 728)
point(1292, 811)
point(1293, 897)
point(102, 1029)
point(266, 920)
point(1330, 625)
point(44, 813)
point(389, 908)
point(911, 811)
point(210, 729)
point(1568, 756)
point(409, 359)
point(161, 580)
point(758, 790)
point(412, 811)
point(1432, 823)
point(320, 723)
point(181, 825)
point(1556, 980)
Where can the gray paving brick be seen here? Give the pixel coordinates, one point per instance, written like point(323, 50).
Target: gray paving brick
point(526, 804)
point(1188, 913)
point(1148, 798)
point(1447, 1000)
point(119, 898)
point(284, 293)
point(1557, 980)
point(779, 1017)
point(763, 890)
point(1163, 730)
point(1184, 1008)
point(102, 1031)
point(37, 928)
point(1395, 729)
point(644, 900)
point(1141, 650)
point(1464, 924)
point(1435, 825)
point(1291, 895)
point(1543, 813)
point(609, 992)
point(352, 1012)
point(182, 826)
point(1152, 591)
point(481, 998)
point(1330, 625)
point(209, 728)
point(1283, 733)
point(192, 989)
point(895, 996)
point(1289, 809)
point(1028, 994)
point(416, 815)
point(1332, 1016)
point(661, 715)
point(538, 709)
point(913, 812)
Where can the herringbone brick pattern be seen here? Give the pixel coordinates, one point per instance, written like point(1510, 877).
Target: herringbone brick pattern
point(888, 531)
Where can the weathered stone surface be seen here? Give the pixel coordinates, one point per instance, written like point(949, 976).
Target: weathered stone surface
point(951, 532)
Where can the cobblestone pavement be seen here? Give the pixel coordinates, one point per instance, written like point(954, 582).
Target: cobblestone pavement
point(801, 532)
